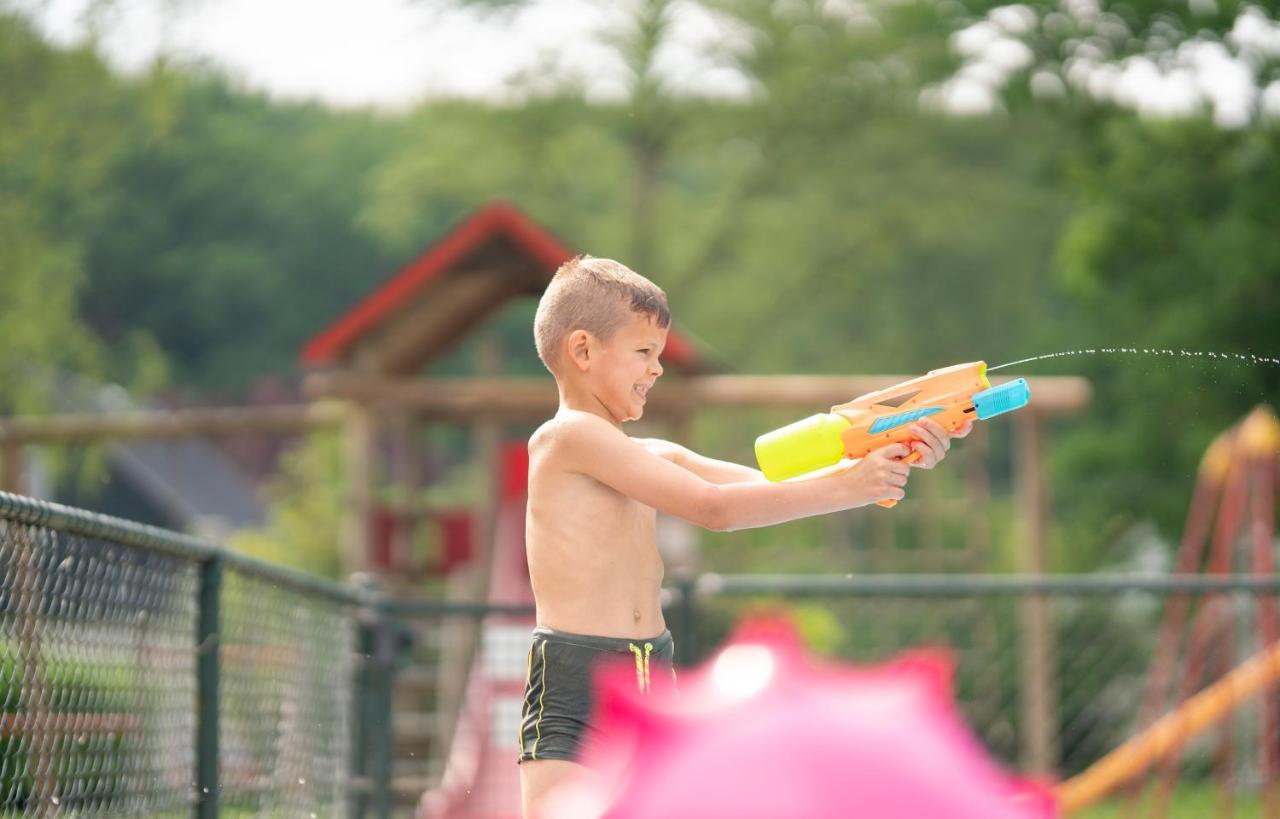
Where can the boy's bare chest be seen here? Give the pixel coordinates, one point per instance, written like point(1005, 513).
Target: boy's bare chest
point(571, 511)
point(589, 500)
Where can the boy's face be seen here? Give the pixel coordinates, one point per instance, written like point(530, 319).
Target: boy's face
point(629, 367)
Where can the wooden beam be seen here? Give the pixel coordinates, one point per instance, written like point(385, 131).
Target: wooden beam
point(223, 421)
point(469, 398)
point(1037, 695)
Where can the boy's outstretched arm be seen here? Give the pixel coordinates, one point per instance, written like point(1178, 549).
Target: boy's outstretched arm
point(932, 443)
point(594, 447)
point(709, 469)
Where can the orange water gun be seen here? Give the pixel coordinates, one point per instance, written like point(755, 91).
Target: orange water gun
point(951, 396)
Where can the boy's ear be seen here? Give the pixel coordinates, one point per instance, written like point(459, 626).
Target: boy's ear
point(579, 346)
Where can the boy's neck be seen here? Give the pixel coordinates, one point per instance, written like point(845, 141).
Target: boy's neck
point(579, 397)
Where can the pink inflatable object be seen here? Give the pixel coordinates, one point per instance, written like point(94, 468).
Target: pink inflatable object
point(760, 730)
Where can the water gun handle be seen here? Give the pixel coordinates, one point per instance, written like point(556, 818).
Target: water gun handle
point(889, 503)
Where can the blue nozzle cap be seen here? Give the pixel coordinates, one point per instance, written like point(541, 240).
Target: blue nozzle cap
point(1002, 399)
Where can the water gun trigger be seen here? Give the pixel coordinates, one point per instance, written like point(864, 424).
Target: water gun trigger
point(889, 503)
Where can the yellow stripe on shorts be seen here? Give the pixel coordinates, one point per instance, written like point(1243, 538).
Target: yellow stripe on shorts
point(524, 701)
point(537, 726)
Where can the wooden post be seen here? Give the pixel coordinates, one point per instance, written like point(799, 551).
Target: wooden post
point(359, 442)
point(461, 637)
point(406, 481)
point(487, 436)
point(1038, 696)
point(978, 497)
point(12, 473)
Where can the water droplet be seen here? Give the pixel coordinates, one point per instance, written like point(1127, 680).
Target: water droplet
point(55, 800)
point(301, 781)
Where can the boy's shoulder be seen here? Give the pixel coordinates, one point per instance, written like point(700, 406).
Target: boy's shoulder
point(590, 435)
point(570, 427)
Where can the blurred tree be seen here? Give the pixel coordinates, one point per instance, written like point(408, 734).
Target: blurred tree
point(1172, 247)
point(306, 510)
point(1170, 244)
point(232, 237)
point(60, 136)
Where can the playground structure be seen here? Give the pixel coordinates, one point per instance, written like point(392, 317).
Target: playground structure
point(1232, 513)
point(367, 381)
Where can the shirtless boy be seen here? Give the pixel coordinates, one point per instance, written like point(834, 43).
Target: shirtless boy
point(594, 493)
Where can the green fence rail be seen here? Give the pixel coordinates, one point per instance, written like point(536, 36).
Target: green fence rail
point(148, 673)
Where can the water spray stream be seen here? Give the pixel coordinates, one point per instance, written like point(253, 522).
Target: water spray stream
point(1246, 358)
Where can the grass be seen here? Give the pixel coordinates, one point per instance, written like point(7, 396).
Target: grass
point(1198, 801)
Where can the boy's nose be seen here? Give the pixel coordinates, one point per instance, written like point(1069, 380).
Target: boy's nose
point(656, 369)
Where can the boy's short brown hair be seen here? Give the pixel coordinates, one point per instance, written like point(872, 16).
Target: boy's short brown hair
point(596, 295)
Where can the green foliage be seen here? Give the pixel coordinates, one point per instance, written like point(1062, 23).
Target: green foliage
point(305, 525)
point(72, 686)
point(232, 237)
point(1171, 247)
point(58, 140)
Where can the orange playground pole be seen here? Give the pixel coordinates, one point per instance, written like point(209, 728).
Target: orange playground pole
point(1170, 732)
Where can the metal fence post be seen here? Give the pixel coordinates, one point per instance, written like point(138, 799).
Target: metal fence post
point(359, 787)
point(682, 619)
point(380, 751)
point(371, 746)
point(207, 669)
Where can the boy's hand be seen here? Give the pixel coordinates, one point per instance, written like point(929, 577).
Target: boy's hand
point(934, 441)
point(882, 475)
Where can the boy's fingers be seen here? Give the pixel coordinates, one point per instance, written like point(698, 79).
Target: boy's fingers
point(896, 451)
point(935, 435)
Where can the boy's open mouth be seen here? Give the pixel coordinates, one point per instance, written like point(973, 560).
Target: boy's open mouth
point(641, 390)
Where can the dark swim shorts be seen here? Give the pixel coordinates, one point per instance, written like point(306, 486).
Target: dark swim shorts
point(557, 689)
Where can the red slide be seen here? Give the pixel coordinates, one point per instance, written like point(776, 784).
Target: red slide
point(481, 779)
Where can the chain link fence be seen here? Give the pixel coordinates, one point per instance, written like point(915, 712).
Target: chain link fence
point(1052, 673)
point(146, 673)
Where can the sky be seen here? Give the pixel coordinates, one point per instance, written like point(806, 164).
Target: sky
point(390, 53)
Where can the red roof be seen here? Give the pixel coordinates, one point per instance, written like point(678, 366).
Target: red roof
point(495, 220)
